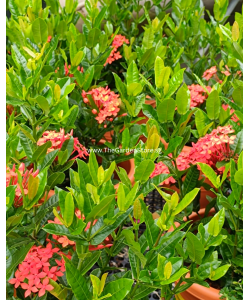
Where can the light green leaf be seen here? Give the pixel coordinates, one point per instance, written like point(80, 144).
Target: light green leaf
point(186, 201)
point(213, 105)
point(40, 31)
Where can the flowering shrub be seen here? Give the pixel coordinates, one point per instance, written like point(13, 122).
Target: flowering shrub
point(91, 103)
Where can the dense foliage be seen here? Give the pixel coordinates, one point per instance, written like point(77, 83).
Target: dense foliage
point(140, 99)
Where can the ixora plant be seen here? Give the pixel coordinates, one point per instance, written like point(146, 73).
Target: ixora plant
point(103, 112)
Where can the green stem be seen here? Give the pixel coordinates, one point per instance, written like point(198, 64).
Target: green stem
point(155, 245)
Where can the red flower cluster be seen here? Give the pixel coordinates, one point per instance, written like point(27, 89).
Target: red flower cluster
point(65, 241)
point(182, 162)
point(106, 101)
point(58, 138)
point(34, 272)
point(209, 73)
point(117, 42)
point(213, 147)
point(66, 69)
point(234, 117)
point(12, 179)
point(210, 149)
point(198, 94)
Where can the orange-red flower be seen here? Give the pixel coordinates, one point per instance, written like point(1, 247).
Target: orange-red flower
point(36, 269)
point(58, 138)
point(106, 101)
point(118, 41)
point(210, 73)
point(12, 179)
point(198, 94)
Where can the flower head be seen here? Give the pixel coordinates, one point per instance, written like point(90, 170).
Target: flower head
point(36, 270)
point(118, 41)
point(58, 138)
point(105, 100)
point(198, 94)
point(12, 179)
point(210, 73)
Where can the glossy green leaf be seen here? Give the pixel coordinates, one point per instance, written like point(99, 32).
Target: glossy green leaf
point(144, 170)
point(118, 288)
point(188, 198)
point(215, 225)
point(209, 173)
point(132, 74)
point(183, 100)
point(100, 209)
point(219, 272)
point(41, 151)
point(195, 249)
point(77, 282)
point(166, 110)
point(213, 105)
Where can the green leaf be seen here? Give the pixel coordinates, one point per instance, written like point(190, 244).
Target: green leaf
point(120, 86)
point(93, 37)
point(215, 225)
point(238, 177)
point(213, 105)
point(59, 291)
point(209, 173)
point(40, 31)
point(100, 209)
point(85, 178)
point(41, 151)
point(93, 167)
point(90, 261)
point(152, 230)
point(183, 100)
point(15, 257)
point(176, 276)
point(32, 187)
point(69, 5)
point(132, 74)
point(237, 146)
point(69, 210)
point(144, 170)
point(148, 186)
point(159, 66)
point(99, 237)
point(26, 144)
point(55, 179)
point(118, 288)
point(48, 160)
point(26, 131)
point(166, 110)
point(186, 201)
point(191, 179)
point(195, 249)
point(238, 96)
point(173, 144)
point(77, 59)
point(148, 38)
point(88, 77)
point(77, 282)
point(42, 176)
point(219, 272)
point(100, 16)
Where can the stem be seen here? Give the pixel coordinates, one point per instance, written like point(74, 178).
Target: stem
point(152, 253)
